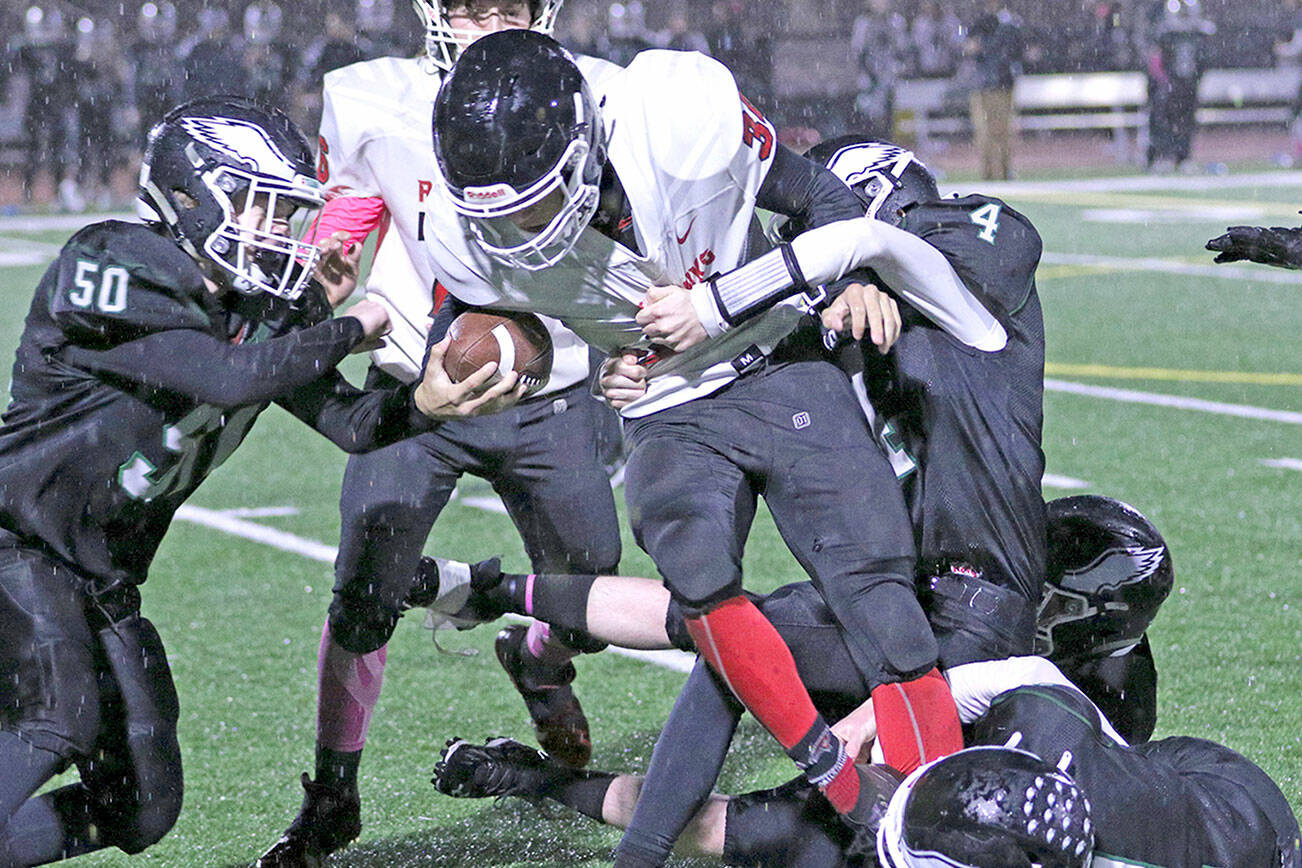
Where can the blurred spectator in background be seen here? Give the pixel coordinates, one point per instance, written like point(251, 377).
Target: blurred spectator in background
point(995, 46)
point(269, 62)
point(334, 49)
point(879, 48)
point(44, 55)
point(936, 35)
point(679, 35)
point(745, 47)
point(213, 64)
point(626, 34)
point(100, 73)
point(1288, 53)
point(1175, 64)
point(155, 67)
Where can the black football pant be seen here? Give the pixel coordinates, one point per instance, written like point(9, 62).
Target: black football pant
point(541, 458)
point(83, 683)
point(793, 433)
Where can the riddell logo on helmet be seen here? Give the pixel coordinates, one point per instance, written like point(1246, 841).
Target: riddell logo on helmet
point(489, 194)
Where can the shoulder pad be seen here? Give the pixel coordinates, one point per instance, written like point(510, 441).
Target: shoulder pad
point(597, 71)
point(118, 281)
point(369, 100)
point(685, 105)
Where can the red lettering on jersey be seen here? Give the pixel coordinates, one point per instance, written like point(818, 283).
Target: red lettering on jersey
point(696, 272)
point(424, 189)
point(322, 166)
point(756, 128)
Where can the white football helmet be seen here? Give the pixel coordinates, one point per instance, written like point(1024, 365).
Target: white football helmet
point(443, 42)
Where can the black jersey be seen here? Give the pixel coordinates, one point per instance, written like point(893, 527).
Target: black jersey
point(1174, 803)
point(967, 423)
point(132, 382)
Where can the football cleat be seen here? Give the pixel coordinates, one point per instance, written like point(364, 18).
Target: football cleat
point(558, 719)
point(455, 594)
point(502, 767)
point(329, 820)
point(876, 785)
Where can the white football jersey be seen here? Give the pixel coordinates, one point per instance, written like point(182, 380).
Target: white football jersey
point(691, 154)
point(377, 140)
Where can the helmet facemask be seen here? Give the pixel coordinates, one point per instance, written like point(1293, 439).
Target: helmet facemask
point(492, 212)
point(443, 42)
point(257, 243)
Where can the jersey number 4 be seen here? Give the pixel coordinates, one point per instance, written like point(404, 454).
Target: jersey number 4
point(987, 217)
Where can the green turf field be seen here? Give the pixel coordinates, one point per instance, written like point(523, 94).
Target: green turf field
point(1135, 312)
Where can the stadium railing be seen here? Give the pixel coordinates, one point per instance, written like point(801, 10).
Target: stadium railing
point(1111, 101)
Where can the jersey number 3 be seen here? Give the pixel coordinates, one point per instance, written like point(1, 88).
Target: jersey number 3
point(188, 441)
point(987, 217)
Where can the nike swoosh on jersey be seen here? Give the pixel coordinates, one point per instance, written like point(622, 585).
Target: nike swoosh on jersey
point(683, 239)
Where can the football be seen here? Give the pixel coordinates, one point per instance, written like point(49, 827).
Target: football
point(516, 341)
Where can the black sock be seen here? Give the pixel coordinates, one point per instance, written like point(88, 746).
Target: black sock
point(559, 600)
point(585, 792)
point(337, 768)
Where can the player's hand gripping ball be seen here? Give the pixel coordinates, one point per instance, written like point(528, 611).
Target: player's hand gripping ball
point(517, 342)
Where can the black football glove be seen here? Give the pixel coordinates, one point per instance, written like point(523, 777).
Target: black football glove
point(1276, 246)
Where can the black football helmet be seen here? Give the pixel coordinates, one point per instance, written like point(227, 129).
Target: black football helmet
point(987, 807)
point(209, 166)
point(1108, 572)
point(443, 42)
point(515, 124)
point(885, 177)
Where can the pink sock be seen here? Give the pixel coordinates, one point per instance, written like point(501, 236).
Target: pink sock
point(544, 646)
point(348, 686)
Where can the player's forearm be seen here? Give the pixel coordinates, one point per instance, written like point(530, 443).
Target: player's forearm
point(207, 370)
point(357, 420)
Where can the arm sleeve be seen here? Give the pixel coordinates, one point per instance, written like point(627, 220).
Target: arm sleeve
point(356, 420)
point(210, 371)
point(684, 765)
point(914, 269)
point(359, 216)
point(806, 191)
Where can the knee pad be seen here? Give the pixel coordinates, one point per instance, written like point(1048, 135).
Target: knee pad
point(975, 619)
point(361, 626)
point(899, 630)
point(676, 627)
point(136, 779)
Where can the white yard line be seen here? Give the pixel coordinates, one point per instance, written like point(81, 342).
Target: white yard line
point(222, 520)
point(1053, 480)
point(1129, 396)
point(1284, 463)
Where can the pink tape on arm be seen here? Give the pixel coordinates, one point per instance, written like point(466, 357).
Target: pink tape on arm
point(348, 686)
point(359, 216)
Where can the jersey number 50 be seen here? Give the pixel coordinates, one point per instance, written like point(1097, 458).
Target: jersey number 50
point(108, 294)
